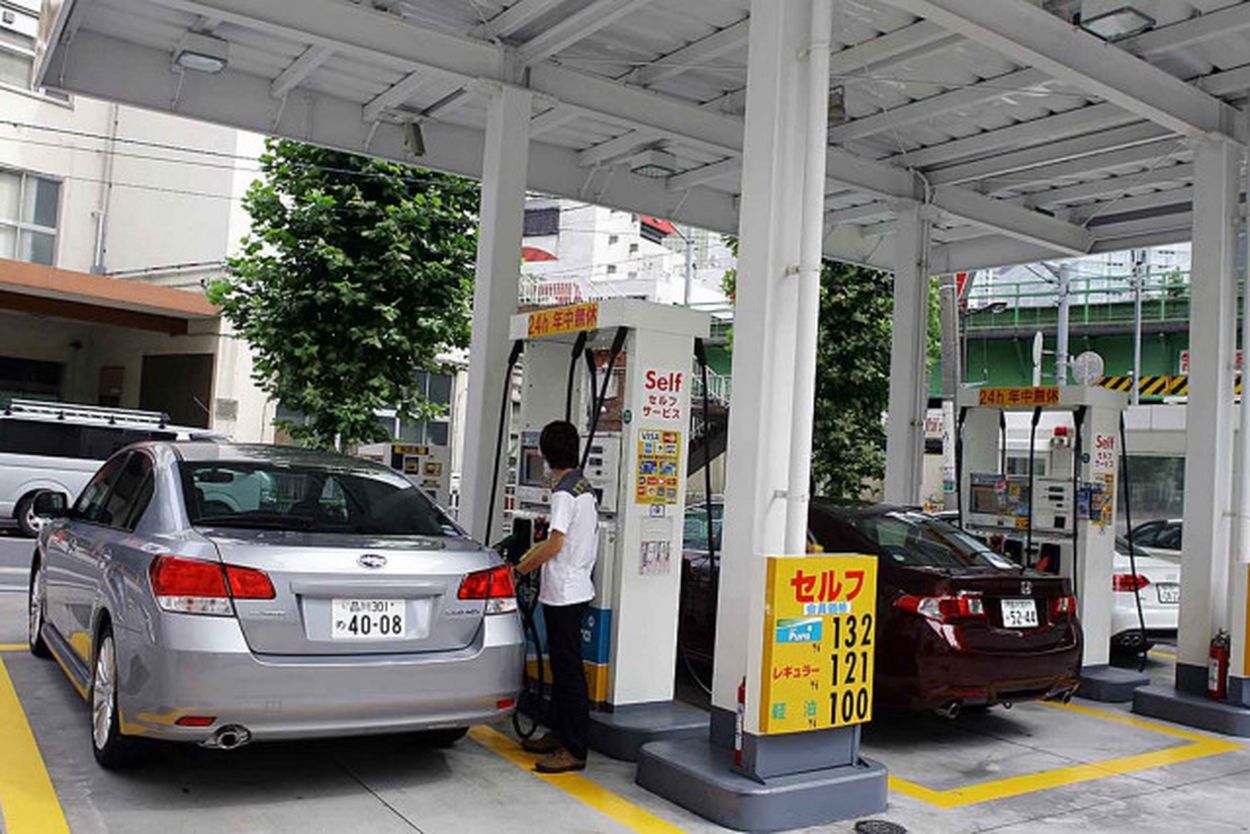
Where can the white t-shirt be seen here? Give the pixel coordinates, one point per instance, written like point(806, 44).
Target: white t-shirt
point(575, 513)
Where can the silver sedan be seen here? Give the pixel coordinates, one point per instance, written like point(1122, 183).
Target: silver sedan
point(221, 594)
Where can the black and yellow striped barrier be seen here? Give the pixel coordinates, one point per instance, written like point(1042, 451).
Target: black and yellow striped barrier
point(1155, 386)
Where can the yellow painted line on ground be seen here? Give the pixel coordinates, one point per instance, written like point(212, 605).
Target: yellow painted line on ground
point(12, 647)
point(1163, 654)
point(1197, 747)
point(28, 801)
point(576, 785)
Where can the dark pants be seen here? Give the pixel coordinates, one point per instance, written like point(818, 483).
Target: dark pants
point(569, 695)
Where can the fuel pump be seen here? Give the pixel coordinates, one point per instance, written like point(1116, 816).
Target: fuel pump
point(1062, 521)
point(621, 371)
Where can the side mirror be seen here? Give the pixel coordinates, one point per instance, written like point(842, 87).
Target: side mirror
point(49, 504)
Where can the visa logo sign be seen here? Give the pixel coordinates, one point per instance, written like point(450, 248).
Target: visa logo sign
point(807, 630)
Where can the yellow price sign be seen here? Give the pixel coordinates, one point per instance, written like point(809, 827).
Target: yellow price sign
point(1017, 397)
point(819, 638)
point(553, 321)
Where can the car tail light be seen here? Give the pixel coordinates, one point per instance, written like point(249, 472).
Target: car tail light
point(1062, 606)
point(196, 721)
point(194, 586)
point(494, 585)
point(249, 583)
point(944, 609)
point(1128, 582)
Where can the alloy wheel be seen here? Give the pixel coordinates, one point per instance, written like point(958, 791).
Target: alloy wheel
point(103, 690)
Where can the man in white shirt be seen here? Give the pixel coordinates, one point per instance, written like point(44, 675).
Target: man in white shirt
point(566, 558)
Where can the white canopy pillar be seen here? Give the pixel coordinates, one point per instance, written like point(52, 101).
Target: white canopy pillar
point(763, 369)
point(1209, 422)
point(504, 169)
point(908, 389)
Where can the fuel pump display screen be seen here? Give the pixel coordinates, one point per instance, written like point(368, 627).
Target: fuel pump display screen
point(819, 640)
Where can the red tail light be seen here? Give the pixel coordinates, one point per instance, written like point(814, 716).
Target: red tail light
point(1062, 607)
point(493, 585)
point(1128, 583)
point(943, 609)
point(249, 583)
point(194, 586)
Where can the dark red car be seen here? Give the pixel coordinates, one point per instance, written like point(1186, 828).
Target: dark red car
point(958, 624)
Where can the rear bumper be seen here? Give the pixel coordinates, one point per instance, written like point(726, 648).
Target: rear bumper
point(937, 674)
point(202, 666)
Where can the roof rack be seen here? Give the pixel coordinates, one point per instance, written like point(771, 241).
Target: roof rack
point(67, 411)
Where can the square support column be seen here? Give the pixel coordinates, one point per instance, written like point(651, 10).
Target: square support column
point(1209, 418)
point(904, 455)
point(502, 217)
point(1205, 597)
point(798, 779)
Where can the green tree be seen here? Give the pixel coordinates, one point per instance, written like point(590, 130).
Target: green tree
point(357, 274)
point(852, 378)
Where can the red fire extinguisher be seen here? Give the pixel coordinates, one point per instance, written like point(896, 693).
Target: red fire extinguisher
point(1217, 667)
point(739, 718)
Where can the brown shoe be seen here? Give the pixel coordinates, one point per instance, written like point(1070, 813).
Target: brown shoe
point(547, 744)
point(561, 761)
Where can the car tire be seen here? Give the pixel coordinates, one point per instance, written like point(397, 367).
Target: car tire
point(28, 523)
point(112, 749)
point(444, 738)
point(36, 601)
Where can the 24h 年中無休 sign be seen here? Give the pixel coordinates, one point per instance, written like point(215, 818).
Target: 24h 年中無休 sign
point(819, 638)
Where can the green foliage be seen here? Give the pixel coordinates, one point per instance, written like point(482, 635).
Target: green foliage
point(357, 274)
point(852, 378)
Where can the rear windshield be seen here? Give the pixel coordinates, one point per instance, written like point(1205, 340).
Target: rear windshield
point(273, 496)
point(918, 540)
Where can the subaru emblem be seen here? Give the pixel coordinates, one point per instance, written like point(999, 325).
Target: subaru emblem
point(1026, 588)
point(372, 560)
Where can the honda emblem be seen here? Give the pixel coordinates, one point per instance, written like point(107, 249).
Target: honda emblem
point(1026, 588)
point(372, 560)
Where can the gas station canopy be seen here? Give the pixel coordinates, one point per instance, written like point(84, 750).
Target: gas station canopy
point(1028, 136)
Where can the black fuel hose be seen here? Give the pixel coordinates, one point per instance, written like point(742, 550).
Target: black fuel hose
point(517, 347)
point(1028, 536)
point(959, 466)
point(1132, 556)
point(700, 354)
point(1078, 447)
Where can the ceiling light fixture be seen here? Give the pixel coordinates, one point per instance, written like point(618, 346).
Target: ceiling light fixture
point(654, 164)
point(202, 53)
point(1118, 23)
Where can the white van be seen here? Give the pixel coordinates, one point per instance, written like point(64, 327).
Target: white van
point(59, 446)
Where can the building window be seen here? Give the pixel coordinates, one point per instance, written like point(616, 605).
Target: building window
point(633, 249)
point(611, 269)
point(17, 51)
point(613, 239)
point(542, 222)
point(28, 214)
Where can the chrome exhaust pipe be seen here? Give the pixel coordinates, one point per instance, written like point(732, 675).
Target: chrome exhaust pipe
point(229, 737)
point(949, 711)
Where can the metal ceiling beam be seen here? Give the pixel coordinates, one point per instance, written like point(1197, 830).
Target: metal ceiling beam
point(515, 17)
point(908, 42)
point(577, 26)
point(1111, 185)
point(706, 174)
point(395, 95)
point(299, 69)
point(1149, 154)
point(1030, 159)
point(1128, 205)
point(1037, 38)
point(549, 120)
point(936, 105)
point(378, 38)
point(612, 150)
point(719, 43)
point(1202, 27)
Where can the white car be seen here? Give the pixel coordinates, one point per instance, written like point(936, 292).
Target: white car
point(1157, 584)
point(1161, 537)
point(57, 447)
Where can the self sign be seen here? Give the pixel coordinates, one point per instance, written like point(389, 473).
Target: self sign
point(669, 381)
